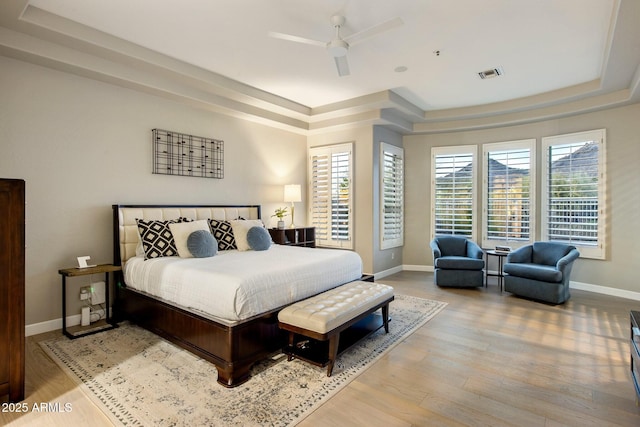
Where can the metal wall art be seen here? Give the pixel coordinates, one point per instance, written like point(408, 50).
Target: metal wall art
point(175, 153)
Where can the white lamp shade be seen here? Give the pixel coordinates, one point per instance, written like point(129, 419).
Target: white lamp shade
point(292, 193)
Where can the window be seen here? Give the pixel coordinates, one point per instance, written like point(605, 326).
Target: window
point(391, 196)
point(453, 198)
point(574, 191)
point(330, 170)
point(508, 193)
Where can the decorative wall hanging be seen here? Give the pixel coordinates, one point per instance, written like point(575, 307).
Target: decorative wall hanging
point(175, 153)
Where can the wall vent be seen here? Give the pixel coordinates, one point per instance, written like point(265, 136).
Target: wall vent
point(493, 72)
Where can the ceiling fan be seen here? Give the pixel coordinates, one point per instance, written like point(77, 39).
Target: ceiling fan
point(339, 46)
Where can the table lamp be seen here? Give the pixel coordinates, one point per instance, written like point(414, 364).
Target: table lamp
point(292, 194)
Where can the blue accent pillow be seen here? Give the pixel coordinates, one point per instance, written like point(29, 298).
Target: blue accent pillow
point(202, 244)
point(258, 238)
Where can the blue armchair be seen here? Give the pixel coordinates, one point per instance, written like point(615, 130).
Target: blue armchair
point(457, 261)
point(540, 271)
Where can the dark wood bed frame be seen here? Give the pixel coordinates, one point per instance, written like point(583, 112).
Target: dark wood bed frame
point(232, 349)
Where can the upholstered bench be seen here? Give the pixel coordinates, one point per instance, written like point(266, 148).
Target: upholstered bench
point(324, 316)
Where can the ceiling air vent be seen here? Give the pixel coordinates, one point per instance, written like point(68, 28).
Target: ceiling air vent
point(489, 74)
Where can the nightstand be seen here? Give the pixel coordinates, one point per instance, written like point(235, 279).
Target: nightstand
point(75, 272)
point(297, 236)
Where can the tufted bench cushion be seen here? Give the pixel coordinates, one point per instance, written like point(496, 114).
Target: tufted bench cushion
point(325, 315)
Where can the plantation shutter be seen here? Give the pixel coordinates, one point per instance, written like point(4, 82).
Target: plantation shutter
point(508, 195)
point(331, 195)
point(392, 196)
point(453, 190)
point(573, 193)
point(574, 188)
point(320, 195)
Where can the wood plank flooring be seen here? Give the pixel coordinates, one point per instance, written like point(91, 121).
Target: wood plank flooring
point(488, 359)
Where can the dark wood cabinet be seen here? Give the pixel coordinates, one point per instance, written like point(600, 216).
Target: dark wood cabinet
point(635, 352)
point(298, 236)
point(12, 265)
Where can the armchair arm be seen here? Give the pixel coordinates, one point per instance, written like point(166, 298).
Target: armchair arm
point(567, 259)
point(436, 250)
point(522, 254)
point(474, 251)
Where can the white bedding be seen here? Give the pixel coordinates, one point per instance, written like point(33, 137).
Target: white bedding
point(236, 285)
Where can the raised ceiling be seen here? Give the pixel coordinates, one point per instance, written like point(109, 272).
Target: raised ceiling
point(558, 57)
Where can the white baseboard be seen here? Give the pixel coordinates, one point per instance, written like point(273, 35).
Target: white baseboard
point(388, 272)
point(605, 290)
point(409, 267)
point(52, 325)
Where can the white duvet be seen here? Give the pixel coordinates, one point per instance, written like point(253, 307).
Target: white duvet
point(235, 285)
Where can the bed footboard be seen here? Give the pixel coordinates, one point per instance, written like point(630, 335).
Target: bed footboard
point(232, 349)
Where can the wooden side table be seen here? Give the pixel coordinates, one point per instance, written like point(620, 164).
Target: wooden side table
point(297, 236)
point(75, 272)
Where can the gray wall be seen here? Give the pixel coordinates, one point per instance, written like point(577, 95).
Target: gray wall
point(618, 271)
point(83, 145)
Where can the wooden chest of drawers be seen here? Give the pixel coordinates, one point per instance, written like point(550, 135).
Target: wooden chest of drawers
point(635, 352)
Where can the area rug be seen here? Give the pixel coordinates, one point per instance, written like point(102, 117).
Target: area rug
point(140, 379)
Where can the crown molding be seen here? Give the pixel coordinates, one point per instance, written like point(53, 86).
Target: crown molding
point(33, 35)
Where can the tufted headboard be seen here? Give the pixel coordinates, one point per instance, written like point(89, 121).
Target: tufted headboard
point(125, 229)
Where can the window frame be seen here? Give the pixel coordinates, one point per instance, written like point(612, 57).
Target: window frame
point(597, 251)
point(397, 187)
point(456, 150)
point(330, 150)
point(517, 145)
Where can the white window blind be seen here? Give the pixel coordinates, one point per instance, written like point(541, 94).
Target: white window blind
point(453, 190)
point(330, 170)
point(391, 196)
point(574, 189)
point(508, 192)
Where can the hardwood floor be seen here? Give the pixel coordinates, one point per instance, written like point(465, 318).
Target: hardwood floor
point(486, 359)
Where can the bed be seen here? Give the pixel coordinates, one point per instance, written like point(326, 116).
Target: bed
point(221, 308)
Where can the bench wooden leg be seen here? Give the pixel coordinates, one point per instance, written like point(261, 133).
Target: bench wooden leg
point(333, 352)
point(291, 341)
point(385, 317)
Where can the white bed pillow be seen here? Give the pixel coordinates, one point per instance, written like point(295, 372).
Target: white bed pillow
point(181, 232)
point(240, 229)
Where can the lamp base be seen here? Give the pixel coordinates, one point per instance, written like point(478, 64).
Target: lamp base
point(292, 225)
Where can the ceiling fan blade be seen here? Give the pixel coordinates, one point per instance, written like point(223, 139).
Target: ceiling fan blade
point(342, 65)
point(374, 31)
point(297, 39)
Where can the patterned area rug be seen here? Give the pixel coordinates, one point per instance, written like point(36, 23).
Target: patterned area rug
point(139, 379)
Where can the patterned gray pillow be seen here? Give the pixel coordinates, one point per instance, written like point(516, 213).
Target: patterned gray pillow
point(157, 240)
point(223, 233)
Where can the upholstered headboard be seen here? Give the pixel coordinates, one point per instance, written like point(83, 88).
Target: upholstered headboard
point(125, 229)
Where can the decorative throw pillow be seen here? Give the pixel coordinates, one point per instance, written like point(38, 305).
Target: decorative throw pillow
point(240, 229)
point(157, 240)
point(202, 244)
point(258, 238)
point(181, 232)
point(223, 233)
